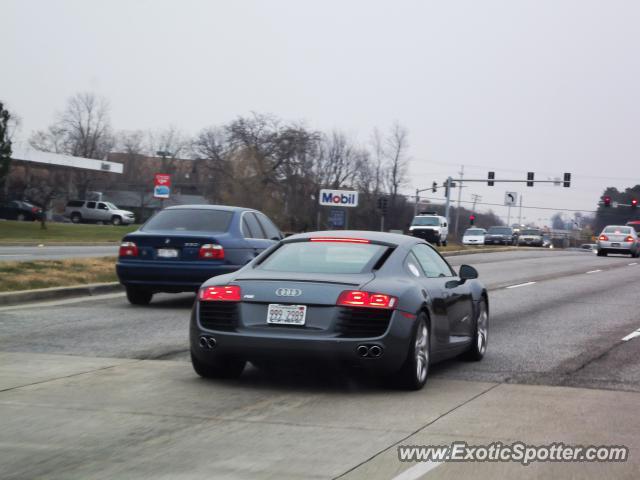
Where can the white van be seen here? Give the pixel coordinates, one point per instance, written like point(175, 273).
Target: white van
point(431, 227)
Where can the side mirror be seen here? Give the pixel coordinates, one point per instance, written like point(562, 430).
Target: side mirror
point(467, 272)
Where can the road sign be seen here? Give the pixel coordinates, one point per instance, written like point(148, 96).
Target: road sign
point(510, 198)
point(161, 185)
point(338, 198)
point(337, 217)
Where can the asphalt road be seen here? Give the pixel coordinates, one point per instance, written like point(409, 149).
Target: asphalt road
point(558, 320)
point(53, 252)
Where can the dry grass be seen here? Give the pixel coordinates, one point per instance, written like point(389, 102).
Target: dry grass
point(56, 273)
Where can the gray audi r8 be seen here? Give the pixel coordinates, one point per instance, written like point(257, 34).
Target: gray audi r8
point(381, 301)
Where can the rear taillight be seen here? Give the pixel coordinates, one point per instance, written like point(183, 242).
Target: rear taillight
point(603, 238)
point(357, 298)
point(629, 239)
point(35, 209)
point(211, 251)
point(227, 293)
point(128, 249)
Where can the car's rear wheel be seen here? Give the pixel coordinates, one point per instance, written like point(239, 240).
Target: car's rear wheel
point(480, 335)
point(139, 296)
point(21, 217)
point(444, 243)
point(218, 367)
point(415, 370)
point(76, 217)
point(116, 220)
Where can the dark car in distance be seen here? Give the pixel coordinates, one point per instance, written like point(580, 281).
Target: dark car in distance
point(380, 301)
point(500, 236)
point(181, 247)
point(20, 210)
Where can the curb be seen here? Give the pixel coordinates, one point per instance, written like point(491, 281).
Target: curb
point(56, 293)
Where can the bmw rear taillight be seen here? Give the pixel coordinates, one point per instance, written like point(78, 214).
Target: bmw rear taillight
point(211, 251)
point(227, 293)
point(128, 249)
point(603, 238)
point(357, 298)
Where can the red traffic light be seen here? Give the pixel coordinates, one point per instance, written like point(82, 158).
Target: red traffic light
point(634, 202)
point(606, 200)
point(472, 219)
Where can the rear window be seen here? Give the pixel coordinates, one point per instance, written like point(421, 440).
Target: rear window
point(323, 257)
point(619, 230)
point(186, 220)
point(500, 231)
point(474, 232)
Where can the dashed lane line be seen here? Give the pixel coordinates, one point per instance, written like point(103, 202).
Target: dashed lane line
point(526, 284)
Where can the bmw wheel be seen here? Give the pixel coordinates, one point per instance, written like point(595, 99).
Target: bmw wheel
point(415, 370)
point(481, 334)
point(218, 367)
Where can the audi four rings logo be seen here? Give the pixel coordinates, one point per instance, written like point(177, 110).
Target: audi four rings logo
point(288, 292)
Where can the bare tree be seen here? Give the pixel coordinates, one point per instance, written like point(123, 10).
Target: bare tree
point(82, 130)
point(5, 148)
point(397, 146)
point(338, 161)
point(171, 141)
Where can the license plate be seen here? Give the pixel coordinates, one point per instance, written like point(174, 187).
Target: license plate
point(286, 314)
point(167, 253)
point(615, 244)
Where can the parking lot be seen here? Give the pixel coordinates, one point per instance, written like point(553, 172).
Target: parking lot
point(95, 387)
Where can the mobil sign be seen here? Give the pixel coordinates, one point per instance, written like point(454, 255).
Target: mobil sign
point(161, 185)
point(339, 198)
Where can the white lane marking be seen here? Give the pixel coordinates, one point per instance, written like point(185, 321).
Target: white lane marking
point(417, 471)
point(632, 335)
point(594, 271)
point(633, 263)
point(13, 255)
point(521, 285)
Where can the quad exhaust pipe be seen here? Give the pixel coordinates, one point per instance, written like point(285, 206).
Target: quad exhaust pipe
point(369, 351)
point(208, 343)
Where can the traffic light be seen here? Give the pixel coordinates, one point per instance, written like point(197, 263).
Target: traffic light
point(567, 180)
point(634, 203)
point(383, 203)
point(606, 201)
point(530, 176)
point(472, 220)
point(491, 177)
point(434, 187)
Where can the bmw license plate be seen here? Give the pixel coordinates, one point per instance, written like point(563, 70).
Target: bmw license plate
point(286, 314)
point(167, 253)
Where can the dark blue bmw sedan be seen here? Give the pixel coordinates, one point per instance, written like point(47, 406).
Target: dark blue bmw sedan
point(181, 247)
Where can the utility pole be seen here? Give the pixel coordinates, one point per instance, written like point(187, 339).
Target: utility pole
point(520, 214)
point(476, 198)
point(415, 207)
point(448, 190)
point(459, 199)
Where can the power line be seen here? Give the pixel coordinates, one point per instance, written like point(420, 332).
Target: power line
point(554, 209)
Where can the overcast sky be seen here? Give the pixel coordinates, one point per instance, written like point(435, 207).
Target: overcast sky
point(512, 86)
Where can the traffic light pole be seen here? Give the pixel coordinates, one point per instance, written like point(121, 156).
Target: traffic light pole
point(448, 204)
